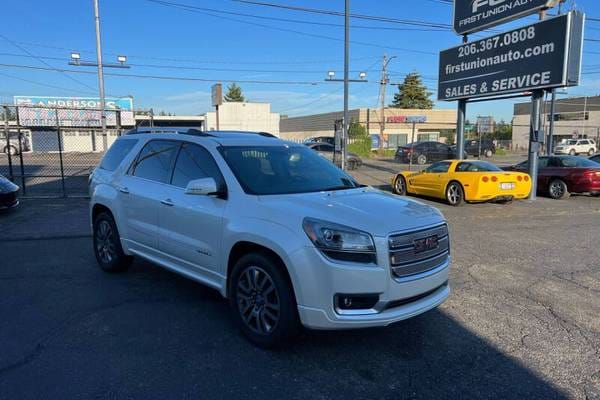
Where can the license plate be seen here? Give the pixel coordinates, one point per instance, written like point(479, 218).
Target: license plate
point(507, 186)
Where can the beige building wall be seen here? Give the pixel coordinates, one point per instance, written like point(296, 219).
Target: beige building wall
point(304, 127)
point(255, 117)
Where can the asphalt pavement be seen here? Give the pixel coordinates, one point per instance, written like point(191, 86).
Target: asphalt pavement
point(522, 320)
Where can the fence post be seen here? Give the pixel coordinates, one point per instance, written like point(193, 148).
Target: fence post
point(6, 132)
point(20, 152)
point(60, 154)
point(118, 122)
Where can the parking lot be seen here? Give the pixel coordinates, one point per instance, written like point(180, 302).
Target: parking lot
point(522, 321)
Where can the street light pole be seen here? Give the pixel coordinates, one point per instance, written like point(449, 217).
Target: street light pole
point(346, 78)
point(100, 76)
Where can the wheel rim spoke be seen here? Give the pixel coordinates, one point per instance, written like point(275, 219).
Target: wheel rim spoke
point(258, 300)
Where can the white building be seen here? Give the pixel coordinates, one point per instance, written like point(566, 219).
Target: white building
point(256, 117)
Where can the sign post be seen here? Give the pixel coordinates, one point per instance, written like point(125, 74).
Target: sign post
point(217, 99)
point(414, 120)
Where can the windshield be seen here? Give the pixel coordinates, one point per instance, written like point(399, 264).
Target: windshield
point(263, 170)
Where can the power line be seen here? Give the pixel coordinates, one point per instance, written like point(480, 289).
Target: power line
point(44, 62)
point(318, 36)
point(46, 84)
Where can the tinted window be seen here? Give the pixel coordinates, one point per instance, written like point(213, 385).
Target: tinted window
point(575, 162)
point(155, 161)
point(195, 162)
point(116, 153)
point(263, 170)
point(477, 166)
point(439, 167)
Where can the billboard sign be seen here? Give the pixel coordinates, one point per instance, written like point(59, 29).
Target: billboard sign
point(84, 103)
point(83, 112)
point(543, 55)
point(402, 119)
point(475, 15)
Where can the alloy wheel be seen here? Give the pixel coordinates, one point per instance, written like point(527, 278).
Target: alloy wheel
point(105, 246)
point(258, 300)
point(557, 189)
point(454, 195)
point(399, 185)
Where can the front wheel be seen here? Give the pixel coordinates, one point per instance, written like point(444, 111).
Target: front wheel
point(107, 245)
point(572, 152)
point(12, 150)
point(455, 194)
point(421, 159)
point(591, 152)
point(558, 189)
point(488, 153)
point(400, 185)
point(262, 301)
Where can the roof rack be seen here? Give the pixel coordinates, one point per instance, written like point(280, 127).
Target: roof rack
point(181, 131)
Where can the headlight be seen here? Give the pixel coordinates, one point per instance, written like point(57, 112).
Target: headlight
point(340, 242)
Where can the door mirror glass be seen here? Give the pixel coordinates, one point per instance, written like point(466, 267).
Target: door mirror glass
point(204, 186)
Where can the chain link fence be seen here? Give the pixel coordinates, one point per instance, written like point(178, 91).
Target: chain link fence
point(50, 152)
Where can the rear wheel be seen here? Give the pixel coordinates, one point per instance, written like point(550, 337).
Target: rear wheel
point(591, 152)
point(572, 152)
point(421, 159)
point(488, 153)
point(558, 189)
point(351, 165)
point(455, 194)
point(262, 301)
point(12, 150)
point(107, 245)
point(400, 185)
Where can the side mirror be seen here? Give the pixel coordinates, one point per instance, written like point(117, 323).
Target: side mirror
point(203, 187)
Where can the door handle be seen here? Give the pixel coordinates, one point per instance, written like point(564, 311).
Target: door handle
point(123, 189)
point(167, 202)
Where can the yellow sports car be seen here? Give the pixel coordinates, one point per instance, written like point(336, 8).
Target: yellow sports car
point(458, 181)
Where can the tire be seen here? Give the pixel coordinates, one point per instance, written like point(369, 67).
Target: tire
point(351, 165)
point(488, 153)
point(455, 195)
point(12, 150)
point(591, 152)
point(572, 152)
point(558, 190)
point(107, 245)
point(422, 159)
point(399, 185)
point(257, 288)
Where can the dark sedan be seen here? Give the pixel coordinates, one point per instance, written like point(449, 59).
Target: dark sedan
point(425, 152)
point(8, 194)
point(560, 176)
point(326, 149)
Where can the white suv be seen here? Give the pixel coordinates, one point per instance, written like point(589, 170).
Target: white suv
point(281, 232)
point(577, 146)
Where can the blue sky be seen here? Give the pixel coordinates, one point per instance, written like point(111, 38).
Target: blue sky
point(162, 40)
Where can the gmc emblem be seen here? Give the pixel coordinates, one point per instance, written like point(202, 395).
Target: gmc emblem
point(426, 244)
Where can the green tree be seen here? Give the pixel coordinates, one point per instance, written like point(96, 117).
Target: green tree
point(360, 140)
point(234, 94)
point(412, 93)
point(503, 131)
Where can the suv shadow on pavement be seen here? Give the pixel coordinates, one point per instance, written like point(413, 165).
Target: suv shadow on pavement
point(149, 333)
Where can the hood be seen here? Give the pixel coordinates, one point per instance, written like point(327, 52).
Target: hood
point(376, 212)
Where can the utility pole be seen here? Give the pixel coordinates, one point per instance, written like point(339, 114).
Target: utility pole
point(100, 75)
point(346, 123)
point(383, 84)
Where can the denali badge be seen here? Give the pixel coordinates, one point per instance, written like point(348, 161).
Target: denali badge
point(425, 244)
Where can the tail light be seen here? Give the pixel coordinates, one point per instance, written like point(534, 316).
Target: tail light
point(526, 178)
point(592, 174)
point(485, 179)
point(519, 178)
point(494, 179)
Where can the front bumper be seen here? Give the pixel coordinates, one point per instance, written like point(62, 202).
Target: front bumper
point(322, 279)
point(9, 200)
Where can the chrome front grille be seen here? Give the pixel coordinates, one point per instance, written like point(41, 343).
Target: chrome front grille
point(416, 252)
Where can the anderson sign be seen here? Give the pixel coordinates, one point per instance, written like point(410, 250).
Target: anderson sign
point(546, 54)
point(475, 15)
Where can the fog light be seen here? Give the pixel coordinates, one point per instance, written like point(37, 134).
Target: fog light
point(355, 301)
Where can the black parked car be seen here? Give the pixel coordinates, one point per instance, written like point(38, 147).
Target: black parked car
point(8, 194)
point(488, 148)
point(425, 152)
point(595, 158)
point(321, 139)
point(326, 149)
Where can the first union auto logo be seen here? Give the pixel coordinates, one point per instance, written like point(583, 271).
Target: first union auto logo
point(425, 244)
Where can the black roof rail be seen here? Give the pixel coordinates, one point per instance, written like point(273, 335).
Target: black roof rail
point(181, 131)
